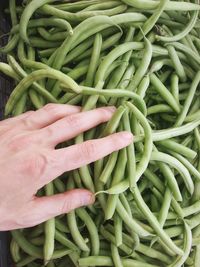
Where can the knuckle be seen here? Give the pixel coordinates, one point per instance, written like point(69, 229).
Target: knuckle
point(65, 206)
point(35, 165)
point(104, 113)
point(73, 121)
point(19, 142)
point(25, 123)
point(50, 107)
point(88, 150)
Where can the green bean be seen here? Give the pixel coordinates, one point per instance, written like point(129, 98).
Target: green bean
point(175, 86)
point(172, 5)
point(33, 64)
point(26, 245)
point(25, 261)
point(118, 93)
point(154, 223)
point(141, 167)
point(96, 21)
point(107, 261)
point(60, 36)
point(143, 86)
point(13, 14)
point(77, 72)
point(166, 95)
point(197, 256)
point(159, 108)
point(125, 204)
point(178, 148)
point(71, 219)
point(130, 221)
point(128, 74)
point(160, 135)
point(78, 51)
point(49, 230)
point(26, 15)
point(187, 247)
point(154, 179)
point(186, 50)
point(34, 76)
point(143, 66)
point(131, 164)
point(187, 164)
point(113, 55)
point(183, 33)
point(176, 63)
point(117, 177)
point(20, 106)
point(171, 180)
point(118, 229)
point(108, 169)
point(8, 70)
point(119, 72)
point(188, 100)
point(165, 207)
point(94, 61)
point(115, 256)
point(74, 17)
point(61, 226)
point(60, 186)
point(100, 6)
point(151, 21)
point(41, 43)
point(75, 6)
point(109, 42)
point(92, 229)
point(11, 44)
point(15, 251)
point(192, 117)
point(159, 156)
point(46, 52)
point(65, 241)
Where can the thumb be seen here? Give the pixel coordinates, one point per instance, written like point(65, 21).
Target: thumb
point(44, 208)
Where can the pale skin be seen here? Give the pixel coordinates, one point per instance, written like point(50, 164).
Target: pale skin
point(29, 161)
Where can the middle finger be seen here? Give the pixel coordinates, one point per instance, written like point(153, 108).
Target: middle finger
point(72, 125)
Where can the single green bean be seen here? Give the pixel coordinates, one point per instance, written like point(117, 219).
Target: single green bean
point(187, 247)
point(188, 100)
point(92, 229)
point(49, 230)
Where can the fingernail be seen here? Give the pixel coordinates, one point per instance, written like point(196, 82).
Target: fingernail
point(127, 136)
point(111, 108)
point(88, 199)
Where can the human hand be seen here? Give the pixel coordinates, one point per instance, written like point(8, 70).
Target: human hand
point(29, 160)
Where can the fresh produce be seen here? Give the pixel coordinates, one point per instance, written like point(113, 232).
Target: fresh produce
point(142, 56)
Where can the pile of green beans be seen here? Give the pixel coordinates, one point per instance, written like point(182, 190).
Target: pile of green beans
point(143, 57)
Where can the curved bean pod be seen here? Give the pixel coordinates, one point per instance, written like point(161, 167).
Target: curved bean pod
point(26, 15)
point(34, 76)
point(153, 221)
point(148, 144)
point(159, 156)
point(182, 34)
point(172, 5)
point(187, 247)
point(92, 229)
